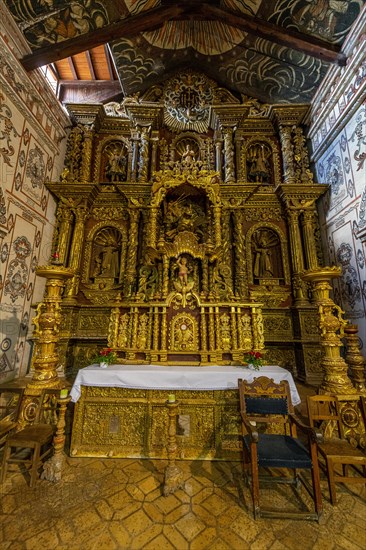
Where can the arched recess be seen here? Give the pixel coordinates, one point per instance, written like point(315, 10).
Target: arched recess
point(283, 245)
point(179, 143)
point(275, 159)
point(89, 241)
point(100, 160)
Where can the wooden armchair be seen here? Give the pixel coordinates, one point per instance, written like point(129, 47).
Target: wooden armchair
point(324, 413)
point(262, 404)
point(10, 401)
point(30, 446)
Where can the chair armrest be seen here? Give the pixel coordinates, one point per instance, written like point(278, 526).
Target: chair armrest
point(314, 434)
point(252, 430)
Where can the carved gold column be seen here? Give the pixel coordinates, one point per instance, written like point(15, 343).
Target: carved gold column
point(203, 334)
point(287, 154)
point(229, 155)
point(217, 224)
point(296, 255)
point(173, 478)
point(241, 286)
point(234, 328)
point(87, 155)
point(153, 226)
point(309, 225)
point(218, 151)
point(52, 469)
point(132, 251)
point(65, 217)
point(143, 165)
point(47, 324)
point(154, 150)
point(135, 154)
point(163, 343)
point(354, 357)
point(331, 325)
point(81, 213)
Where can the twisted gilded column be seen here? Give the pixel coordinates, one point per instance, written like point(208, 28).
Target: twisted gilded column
point(287, 154)
point(143, 165)
point(229, 155)
point(173, 478)
point(81, 213)
point(87, 155)
point(132, 251)
point(241, 286)
point(296, 255)
point(354, 357)
point(309, 226)
point(331, 324)
point(47, 325)
point(65, 217)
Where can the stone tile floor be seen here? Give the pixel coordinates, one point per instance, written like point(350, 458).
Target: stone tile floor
point(118, 504)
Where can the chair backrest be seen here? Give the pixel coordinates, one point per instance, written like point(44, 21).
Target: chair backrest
point(10, 401)
point(324, 414)
point(265, 401)
point(39, 409)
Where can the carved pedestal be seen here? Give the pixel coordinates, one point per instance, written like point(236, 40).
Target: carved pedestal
point(47, 325)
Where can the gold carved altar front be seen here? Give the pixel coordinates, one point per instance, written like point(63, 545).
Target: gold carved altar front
point(187, 216)
point(125, 423)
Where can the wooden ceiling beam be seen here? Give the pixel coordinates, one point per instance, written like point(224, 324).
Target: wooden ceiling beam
point(130, 26)
point(273, 33)
point(189, 10)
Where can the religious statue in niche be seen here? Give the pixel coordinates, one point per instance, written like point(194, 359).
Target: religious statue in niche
point(183, 279)
point(106, 254)
point(267, 262)
point(116, 165)
point(258, 166)
point(184, 214)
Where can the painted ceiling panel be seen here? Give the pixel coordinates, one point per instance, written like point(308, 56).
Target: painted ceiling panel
point(270, 63)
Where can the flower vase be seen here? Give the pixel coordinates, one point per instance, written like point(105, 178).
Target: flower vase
point(103, 365)
point(251, 366)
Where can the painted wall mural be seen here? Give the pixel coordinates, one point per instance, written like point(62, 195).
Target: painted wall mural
point(342, 166)
point(31, 152)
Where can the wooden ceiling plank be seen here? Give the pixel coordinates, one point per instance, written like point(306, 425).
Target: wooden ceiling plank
point(72, 67)
point(90, 65)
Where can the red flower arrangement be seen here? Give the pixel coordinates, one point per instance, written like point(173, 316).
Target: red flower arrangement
point(105, 355)
point(254, 358)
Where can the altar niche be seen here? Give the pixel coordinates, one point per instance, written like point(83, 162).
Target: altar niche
point(183, 307)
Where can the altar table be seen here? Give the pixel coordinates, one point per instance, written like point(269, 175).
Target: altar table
point(176, 378)
point(121, 411)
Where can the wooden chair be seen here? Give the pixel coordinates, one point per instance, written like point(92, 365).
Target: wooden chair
point(30, 446)
point(10, 401)
point(324, 413)
point(262, 404)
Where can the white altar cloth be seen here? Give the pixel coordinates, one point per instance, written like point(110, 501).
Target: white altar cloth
point(157, 377)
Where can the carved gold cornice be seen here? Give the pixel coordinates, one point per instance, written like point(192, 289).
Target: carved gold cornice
point(145, 115)
point(301, 197)
point(74, 193)
point(227, 115)
point(287, 115)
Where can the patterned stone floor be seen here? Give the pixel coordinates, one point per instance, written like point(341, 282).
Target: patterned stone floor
point(118, 504)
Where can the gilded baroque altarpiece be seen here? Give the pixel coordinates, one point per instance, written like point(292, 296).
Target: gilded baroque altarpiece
point(188, 216)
